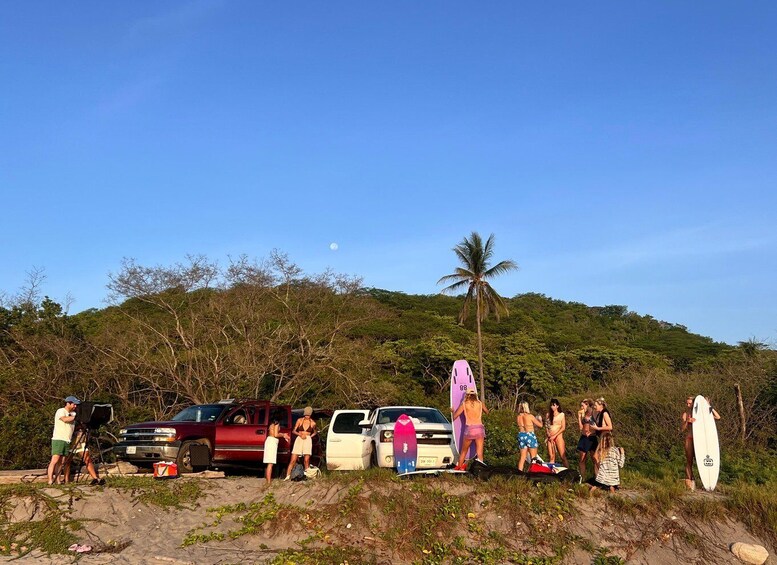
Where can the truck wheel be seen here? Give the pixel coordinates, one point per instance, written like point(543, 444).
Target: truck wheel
point(184, 459)
point(373, 457)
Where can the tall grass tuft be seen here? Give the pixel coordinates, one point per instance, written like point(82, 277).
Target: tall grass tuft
point(755, 506)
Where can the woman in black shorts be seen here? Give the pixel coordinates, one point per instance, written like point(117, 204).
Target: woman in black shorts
point(588, 438)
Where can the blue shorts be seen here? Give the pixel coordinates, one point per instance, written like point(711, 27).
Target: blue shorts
point(527, 440)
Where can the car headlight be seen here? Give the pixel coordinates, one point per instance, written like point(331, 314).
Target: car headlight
point(387, 436)
point(123, 432)
point(164, 431)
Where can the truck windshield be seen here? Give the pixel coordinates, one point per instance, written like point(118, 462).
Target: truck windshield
point(425, 415)
point(200, 413)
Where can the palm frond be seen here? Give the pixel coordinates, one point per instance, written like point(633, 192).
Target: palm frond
point(501, 268)
point(488, 249)
point(465, 254)
point(453, 288)
point(459, 273)
point(494, 303)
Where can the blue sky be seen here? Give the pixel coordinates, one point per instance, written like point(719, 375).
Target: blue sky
point(621, 152)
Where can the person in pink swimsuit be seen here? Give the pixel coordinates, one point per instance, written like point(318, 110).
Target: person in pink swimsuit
point(474, 430)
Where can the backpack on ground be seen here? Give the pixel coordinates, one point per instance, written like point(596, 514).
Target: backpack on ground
point(298, 472)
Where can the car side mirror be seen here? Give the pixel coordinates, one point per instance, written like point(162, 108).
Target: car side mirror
point(365, 424)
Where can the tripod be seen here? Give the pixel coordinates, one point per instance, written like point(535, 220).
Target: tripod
point(84, 443)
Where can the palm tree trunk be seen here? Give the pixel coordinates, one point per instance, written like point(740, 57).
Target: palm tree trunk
point(480, 349)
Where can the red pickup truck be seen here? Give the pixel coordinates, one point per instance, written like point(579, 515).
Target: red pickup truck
point(233, 431)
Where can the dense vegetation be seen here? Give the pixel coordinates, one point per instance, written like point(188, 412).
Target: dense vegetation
point(198, 332)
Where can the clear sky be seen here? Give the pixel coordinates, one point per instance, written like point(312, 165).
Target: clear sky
point(621, 152)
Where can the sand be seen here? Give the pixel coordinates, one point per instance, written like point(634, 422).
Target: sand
point(121, 530)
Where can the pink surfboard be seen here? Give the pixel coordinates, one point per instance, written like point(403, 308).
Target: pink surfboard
point(405, 445)
point(461, 380)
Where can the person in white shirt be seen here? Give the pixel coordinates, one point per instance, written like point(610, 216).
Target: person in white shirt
point(64, 424)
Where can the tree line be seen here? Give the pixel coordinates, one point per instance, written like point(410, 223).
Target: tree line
point(199, 331)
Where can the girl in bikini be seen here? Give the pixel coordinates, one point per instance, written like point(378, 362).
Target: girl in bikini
point(588, 438)
point(557, 423)
point(304, 429)
point(527, 439)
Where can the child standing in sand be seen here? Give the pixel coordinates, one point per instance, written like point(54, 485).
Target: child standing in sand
point(611, 460)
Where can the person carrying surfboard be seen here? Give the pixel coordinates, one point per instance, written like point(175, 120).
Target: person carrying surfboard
point(474, 430)
point(687, 429)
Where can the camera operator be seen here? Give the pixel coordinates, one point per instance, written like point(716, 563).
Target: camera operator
point(63, 432)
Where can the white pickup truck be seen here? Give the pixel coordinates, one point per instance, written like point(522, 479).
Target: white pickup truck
point(358, 439)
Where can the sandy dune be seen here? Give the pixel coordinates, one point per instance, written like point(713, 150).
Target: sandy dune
point(122, 530)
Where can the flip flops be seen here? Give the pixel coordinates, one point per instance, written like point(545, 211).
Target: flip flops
point(80, 548)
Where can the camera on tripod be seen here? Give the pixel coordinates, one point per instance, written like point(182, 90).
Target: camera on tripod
point(85, 445)
point(92, 415)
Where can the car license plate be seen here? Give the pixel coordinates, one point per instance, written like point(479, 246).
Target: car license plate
point(131, 449)
point(427, 461)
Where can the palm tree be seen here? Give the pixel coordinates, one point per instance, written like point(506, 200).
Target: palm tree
point(474, 274)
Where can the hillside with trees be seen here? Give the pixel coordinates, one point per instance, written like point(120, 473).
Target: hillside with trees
point(197, 332)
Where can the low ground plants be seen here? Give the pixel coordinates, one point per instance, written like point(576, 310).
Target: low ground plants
point(178, 494)
point(52, 531)
point(349, 555)
point(755, 506)
point(250, 517)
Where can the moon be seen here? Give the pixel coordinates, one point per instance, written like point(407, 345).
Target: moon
point(333, 246)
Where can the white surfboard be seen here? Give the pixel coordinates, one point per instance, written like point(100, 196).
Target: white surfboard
point(705, 443)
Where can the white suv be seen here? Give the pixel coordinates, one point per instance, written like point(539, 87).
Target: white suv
point(358, 439)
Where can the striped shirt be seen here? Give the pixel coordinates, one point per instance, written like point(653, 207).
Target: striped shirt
point(609, 467)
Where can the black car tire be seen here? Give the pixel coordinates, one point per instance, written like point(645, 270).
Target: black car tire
point(184, 459)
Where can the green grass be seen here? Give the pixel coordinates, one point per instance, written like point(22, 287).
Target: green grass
point(174, 494)
point(52, 532)
point(755, 506)
point(251, 517)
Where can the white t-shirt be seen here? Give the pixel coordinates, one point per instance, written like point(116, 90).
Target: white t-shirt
point(63, 430)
